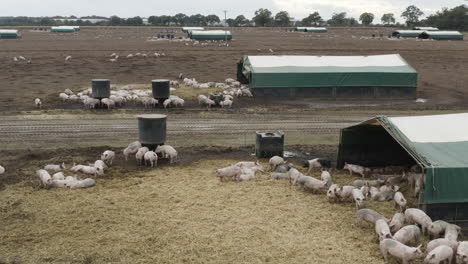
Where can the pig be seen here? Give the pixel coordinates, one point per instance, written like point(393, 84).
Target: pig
point(451, 232)
point(384, 196)
point(331, 193)
point(86, 183)
point(38, 102)
point(275, 161)
point(368, 215)
point(316, 163)
point(229, 172)
point(58, 176)
point(44, 176)
point(387, 188)
point(226, 102)
point(326, 177)
point(462, 252)
point(397, 222)
point(247, 164)
point(382, 230)
point(284, 167)
point(408, 234)
point(311, 184)
point(437, 228)
point(248, 173)
point(400, 201)
point(108, 157)
point(167, 152)
point(376, 183)
point(202, 99)
point(131, 149)
point(2, 170)
point(359, 183)
point(152, 158)
point(399, 250)
point(60, 183)
point(358, 199)
point(52, 167)
point(139, 156)
point(345, 193)
point(439, 255)
point(293, 176)
point(442, 241)
point(414, 215)
point(356, 169)
point(101, 165)
point(88, 170)
point(279, 176)
point(395, 180)
point(365, 191)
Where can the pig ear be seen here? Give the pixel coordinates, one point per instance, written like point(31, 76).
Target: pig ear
point(419, 247)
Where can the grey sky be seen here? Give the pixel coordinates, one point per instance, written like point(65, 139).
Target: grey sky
point(144, 8)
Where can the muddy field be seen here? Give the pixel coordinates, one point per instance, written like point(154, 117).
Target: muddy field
point(441, 64)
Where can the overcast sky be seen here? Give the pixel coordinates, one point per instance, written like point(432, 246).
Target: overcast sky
point(296, 8)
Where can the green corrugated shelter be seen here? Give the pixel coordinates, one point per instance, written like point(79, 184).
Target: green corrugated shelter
point(67, 29)
point(187, 29)
point(407, 33)
point(437, 143)
point(9, 33)
point(311, 29)
point(377, 76)
point(442, 35)
point(210, 35)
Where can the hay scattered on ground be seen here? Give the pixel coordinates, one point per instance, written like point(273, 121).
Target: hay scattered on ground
point(182, 214)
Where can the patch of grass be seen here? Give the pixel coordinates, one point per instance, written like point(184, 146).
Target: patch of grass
point(183, 214)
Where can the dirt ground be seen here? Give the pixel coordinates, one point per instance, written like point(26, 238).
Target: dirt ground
point(180, 213)
point(441, 64)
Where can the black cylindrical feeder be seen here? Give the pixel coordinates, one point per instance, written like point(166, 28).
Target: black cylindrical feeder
point(161, 89)
point(152, 130)
point(100, 88)
point(269, 144)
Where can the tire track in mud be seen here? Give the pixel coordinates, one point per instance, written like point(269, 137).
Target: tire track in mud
point(27, 130)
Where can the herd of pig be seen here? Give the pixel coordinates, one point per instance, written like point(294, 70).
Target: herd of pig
point(142, 155)
point(395, 238)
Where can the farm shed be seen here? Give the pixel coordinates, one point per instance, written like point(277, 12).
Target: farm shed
point(381, 76)
point(438, 143)
point(210, 35)
point(187, 29)
point(9, 33)
point(407, 33)
point(426, 28)
point(311, 29)
point(63, 29)
point(442, 35)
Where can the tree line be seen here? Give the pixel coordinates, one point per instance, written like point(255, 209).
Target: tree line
point(455, 18)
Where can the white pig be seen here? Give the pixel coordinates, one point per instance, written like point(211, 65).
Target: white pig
point(52, 167)
point(399, 250)
point(382, 230)
point(108, 157)
point(229, 172)
point(452, 231)
point(2, 169)
point(368, 215)
point(437, 228)
point(167, 152)
point(358, 199)
point(345, 193)
point(331, 193)
point(293, 176)
point(439, 255)
point(58, 176)
point(356, 169)
point(152, 158)
point(86, 183)
point(462, 252)
point(400, 201)
point(414, 215)
point(311, 184)
point(44, 176)
point(139, 156)
point(326, 177)
point(408, 234)
point(442, 241)
point(275, 161)
point(397, 222)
